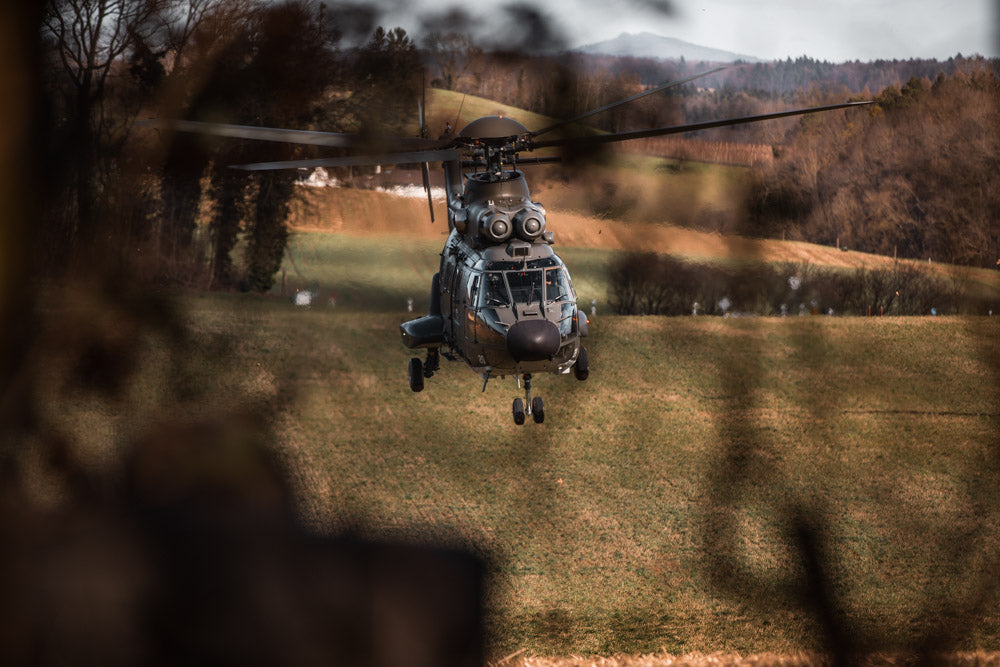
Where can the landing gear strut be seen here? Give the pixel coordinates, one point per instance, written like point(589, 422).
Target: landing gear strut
point(433, 363)
point(528, 406)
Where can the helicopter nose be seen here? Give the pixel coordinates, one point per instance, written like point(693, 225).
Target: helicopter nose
point(533, 340)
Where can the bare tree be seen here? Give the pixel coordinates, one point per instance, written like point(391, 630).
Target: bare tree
point(453, 54)
point(89, 39)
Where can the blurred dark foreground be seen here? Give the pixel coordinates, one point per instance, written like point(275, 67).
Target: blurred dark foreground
point(141, 525)
point(196, 558)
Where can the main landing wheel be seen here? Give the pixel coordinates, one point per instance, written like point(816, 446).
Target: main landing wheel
point(581, 369)
point(537, 409)
point(518, 411)
point(416, 374)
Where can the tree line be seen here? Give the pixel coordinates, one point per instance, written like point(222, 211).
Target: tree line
point(568, 83)
point(645, 283)
point(911, 177)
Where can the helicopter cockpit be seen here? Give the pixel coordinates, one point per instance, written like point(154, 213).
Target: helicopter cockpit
point(526, 283)
point(525, 286)
point(525, 290)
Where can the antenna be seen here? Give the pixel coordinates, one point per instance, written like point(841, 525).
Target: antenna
point(459, 113)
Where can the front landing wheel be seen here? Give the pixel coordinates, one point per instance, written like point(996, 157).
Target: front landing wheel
point(518, 409)
point(537, 409)
point(416, 374)
point(581, 369)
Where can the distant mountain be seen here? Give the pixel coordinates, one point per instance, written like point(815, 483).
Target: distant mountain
point(648, 45)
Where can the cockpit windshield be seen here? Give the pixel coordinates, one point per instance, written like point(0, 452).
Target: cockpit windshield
point(525, 286)
point(496, 294)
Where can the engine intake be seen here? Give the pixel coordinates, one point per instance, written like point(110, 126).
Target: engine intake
point(529, 223)
point(495, 225)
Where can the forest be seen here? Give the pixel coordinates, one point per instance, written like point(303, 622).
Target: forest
point(911, 178)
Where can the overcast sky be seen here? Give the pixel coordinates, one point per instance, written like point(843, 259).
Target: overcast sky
point(833, 30)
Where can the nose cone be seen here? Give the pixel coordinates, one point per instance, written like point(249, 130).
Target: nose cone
point(533, 340)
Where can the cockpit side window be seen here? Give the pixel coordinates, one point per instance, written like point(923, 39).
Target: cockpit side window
point(525, 286)
point(495, 292)
point(556, 285)
point(473, 291)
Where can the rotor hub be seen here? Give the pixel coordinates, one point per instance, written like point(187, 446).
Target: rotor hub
point(493, 127)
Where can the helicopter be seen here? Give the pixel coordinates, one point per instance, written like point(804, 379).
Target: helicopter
point(502, 301)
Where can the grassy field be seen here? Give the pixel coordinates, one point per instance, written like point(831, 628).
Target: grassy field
point(376, 273)
point(382, 271)
point(596, 518)
point(460, 110)
point(368, 222)
point(652, 511)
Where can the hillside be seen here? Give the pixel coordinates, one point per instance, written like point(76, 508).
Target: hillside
point(368, 214)
point(648, 45)
point(363, 213)
point(459, 109)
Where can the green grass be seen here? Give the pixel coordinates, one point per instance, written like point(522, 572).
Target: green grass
point(381, 274)
point(684, 454)
point(361, 273)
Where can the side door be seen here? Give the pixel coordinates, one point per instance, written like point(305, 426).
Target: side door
point(455, 289)
point(448, 294)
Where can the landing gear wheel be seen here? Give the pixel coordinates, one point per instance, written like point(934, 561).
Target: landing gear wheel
point(537, 409)
point(581, 369)
point(416, 374)
point(518, 411)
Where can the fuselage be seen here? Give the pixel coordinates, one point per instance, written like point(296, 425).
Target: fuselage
point(508, 309)
point(503, 300)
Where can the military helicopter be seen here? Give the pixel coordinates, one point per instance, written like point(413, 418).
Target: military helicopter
point(503, 301)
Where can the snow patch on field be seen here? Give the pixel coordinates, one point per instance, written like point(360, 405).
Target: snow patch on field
point(413, 191)
point(320, 178)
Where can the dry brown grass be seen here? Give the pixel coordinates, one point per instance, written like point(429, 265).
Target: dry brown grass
point(361, 212)
point(699, 150)
point(370, 213)
point(802, 659)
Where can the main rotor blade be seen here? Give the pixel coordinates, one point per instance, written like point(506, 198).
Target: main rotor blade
point(662, 86)
point(690, 127)
point(309, 137)
point(549, 159)
point(355, 160)
point(425, 174)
